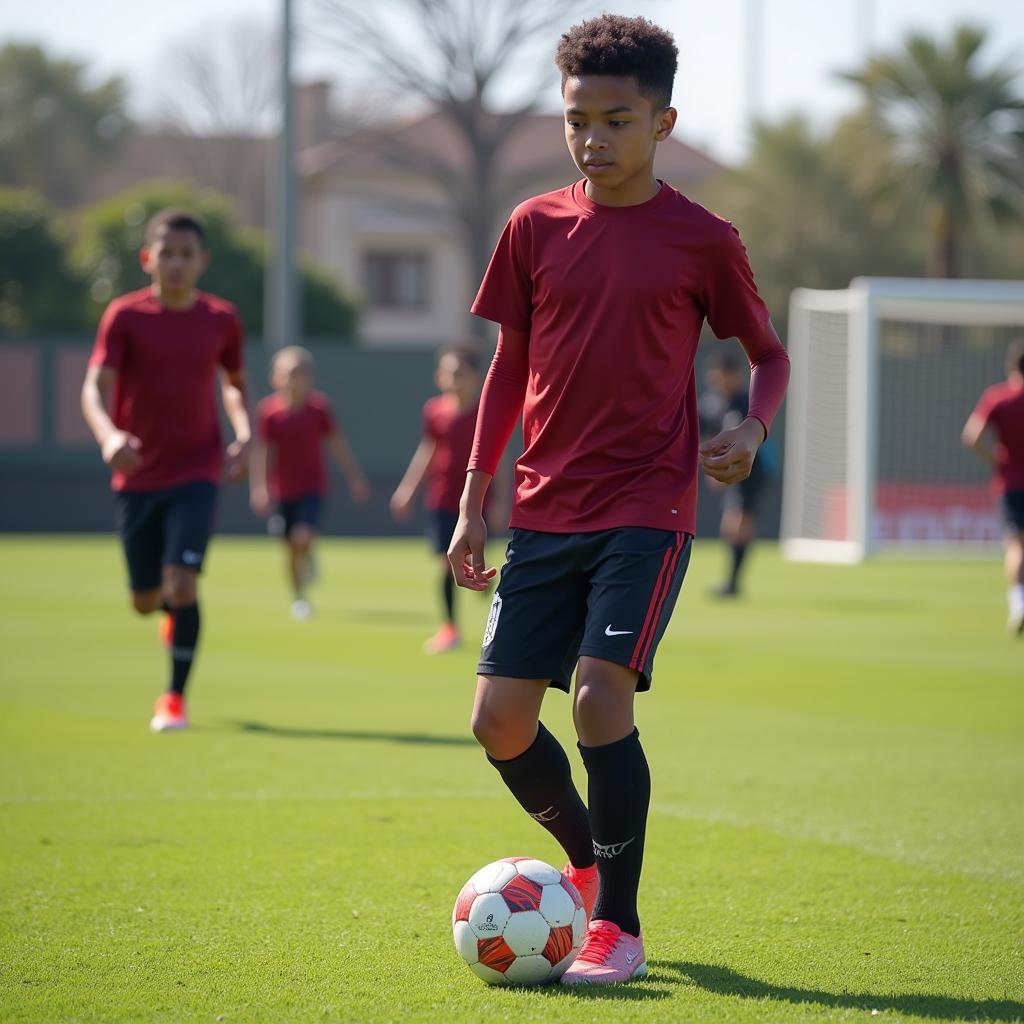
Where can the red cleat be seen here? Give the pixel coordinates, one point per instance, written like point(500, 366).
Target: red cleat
point(586, 882)
point(169, 713)
point(445, 639)
point(167, 629)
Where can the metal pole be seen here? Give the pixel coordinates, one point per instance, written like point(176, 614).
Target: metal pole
point(281, 319)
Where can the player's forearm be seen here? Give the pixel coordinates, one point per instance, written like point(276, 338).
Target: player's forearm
point(94, 410)
point(237, 410)
point(769, 376)
point(345, 458)
point(471, 504)
point(983, 451)
point(501, 401)
point(416, 472)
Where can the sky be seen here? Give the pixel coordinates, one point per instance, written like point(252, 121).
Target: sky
point(801, 44)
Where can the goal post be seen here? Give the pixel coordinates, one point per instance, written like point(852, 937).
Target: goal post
point(885, 373)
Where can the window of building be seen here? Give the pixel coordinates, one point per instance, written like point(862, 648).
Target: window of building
point(397, 280)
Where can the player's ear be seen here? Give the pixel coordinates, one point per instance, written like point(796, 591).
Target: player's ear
point(664, 122)
point(204, 260)
point(146, 259)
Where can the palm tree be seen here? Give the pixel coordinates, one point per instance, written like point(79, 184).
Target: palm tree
point(801, 217)
point(944, 135)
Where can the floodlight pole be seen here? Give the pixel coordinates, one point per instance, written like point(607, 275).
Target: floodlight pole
point(282, 324)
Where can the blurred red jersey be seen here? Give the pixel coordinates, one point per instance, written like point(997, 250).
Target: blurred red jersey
point(296, 441)
point(1002, 408)
point(167, 362)
point(452, 433)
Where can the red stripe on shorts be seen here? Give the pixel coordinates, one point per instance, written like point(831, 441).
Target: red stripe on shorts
point(658, 595)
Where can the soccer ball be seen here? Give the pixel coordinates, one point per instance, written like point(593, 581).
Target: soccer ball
point(519, 921)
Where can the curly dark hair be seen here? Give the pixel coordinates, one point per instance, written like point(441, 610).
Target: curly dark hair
point(616, 45)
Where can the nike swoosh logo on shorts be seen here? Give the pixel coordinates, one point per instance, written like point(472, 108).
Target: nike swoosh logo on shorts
point(608, 631)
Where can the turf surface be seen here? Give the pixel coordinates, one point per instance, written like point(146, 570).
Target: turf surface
point(837, 830)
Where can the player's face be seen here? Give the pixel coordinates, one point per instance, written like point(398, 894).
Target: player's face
point(612, 130)
point(455, 377)
point(293, 376)
point(175, 260)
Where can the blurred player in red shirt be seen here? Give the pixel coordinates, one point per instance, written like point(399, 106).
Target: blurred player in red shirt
point(995, 430)
point(293, 426)
point(440, 461)
point(148, 398)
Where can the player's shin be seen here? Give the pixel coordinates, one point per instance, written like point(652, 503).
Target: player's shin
point(619, 793)
point(541, 780)
point(184, 639)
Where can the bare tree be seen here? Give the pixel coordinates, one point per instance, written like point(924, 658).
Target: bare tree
point(454, 56)
point(222, 103)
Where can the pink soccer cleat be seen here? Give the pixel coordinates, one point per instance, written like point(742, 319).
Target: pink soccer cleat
point(609, 956)
point(445, 639)
point(168, 713)
point(586, 881)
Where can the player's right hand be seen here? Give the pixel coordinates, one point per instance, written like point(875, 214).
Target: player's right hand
point(466, 553)
point(401, 505)
point(122, 452)
point(259, 501)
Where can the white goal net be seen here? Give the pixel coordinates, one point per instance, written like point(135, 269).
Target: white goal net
point(885, 373)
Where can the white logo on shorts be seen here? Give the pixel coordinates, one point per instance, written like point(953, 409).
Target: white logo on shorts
point(608, 631)
point(191, 557)
point(492, 620)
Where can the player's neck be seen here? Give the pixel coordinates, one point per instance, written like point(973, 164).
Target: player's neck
point(177, 302)
point(462, 402)
point(293, 401)
point(635, 190)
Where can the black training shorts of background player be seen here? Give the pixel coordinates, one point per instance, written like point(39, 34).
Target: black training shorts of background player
point(165, 527)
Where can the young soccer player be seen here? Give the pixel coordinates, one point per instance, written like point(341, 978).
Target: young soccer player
point(600, 290)
point(449, 420)
point(148, 397)
point(293, 425)
point(724, 404)
point(995, 430)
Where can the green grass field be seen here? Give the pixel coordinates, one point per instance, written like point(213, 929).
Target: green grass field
point(837, 829)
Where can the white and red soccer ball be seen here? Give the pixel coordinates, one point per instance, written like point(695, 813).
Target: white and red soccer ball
point(519, 921)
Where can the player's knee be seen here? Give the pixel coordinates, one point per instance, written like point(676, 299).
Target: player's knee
point(180, 588)
point(598, 707)
point(300, 537)
point(502, 733)
point(145, 602)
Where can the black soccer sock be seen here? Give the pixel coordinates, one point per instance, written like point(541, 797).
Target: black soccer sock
point(183, 645)
point(739, 552)
point(448, 589)
point(619, 793)
point(541, 780)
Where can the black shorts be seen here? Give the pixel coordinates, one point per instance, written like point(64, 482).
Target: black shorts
point(169, 527)
point(1013, 511)
point(440, 527)
point(304, 510)
point(608, 595)
point(746, 495)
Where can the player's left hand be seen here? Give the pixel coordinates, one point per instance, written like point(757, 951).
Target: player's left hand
point(729, 456)
point(237, 465)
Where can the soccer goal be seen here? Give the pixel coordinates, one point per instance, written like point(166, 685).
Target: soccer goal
point(885, 373)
